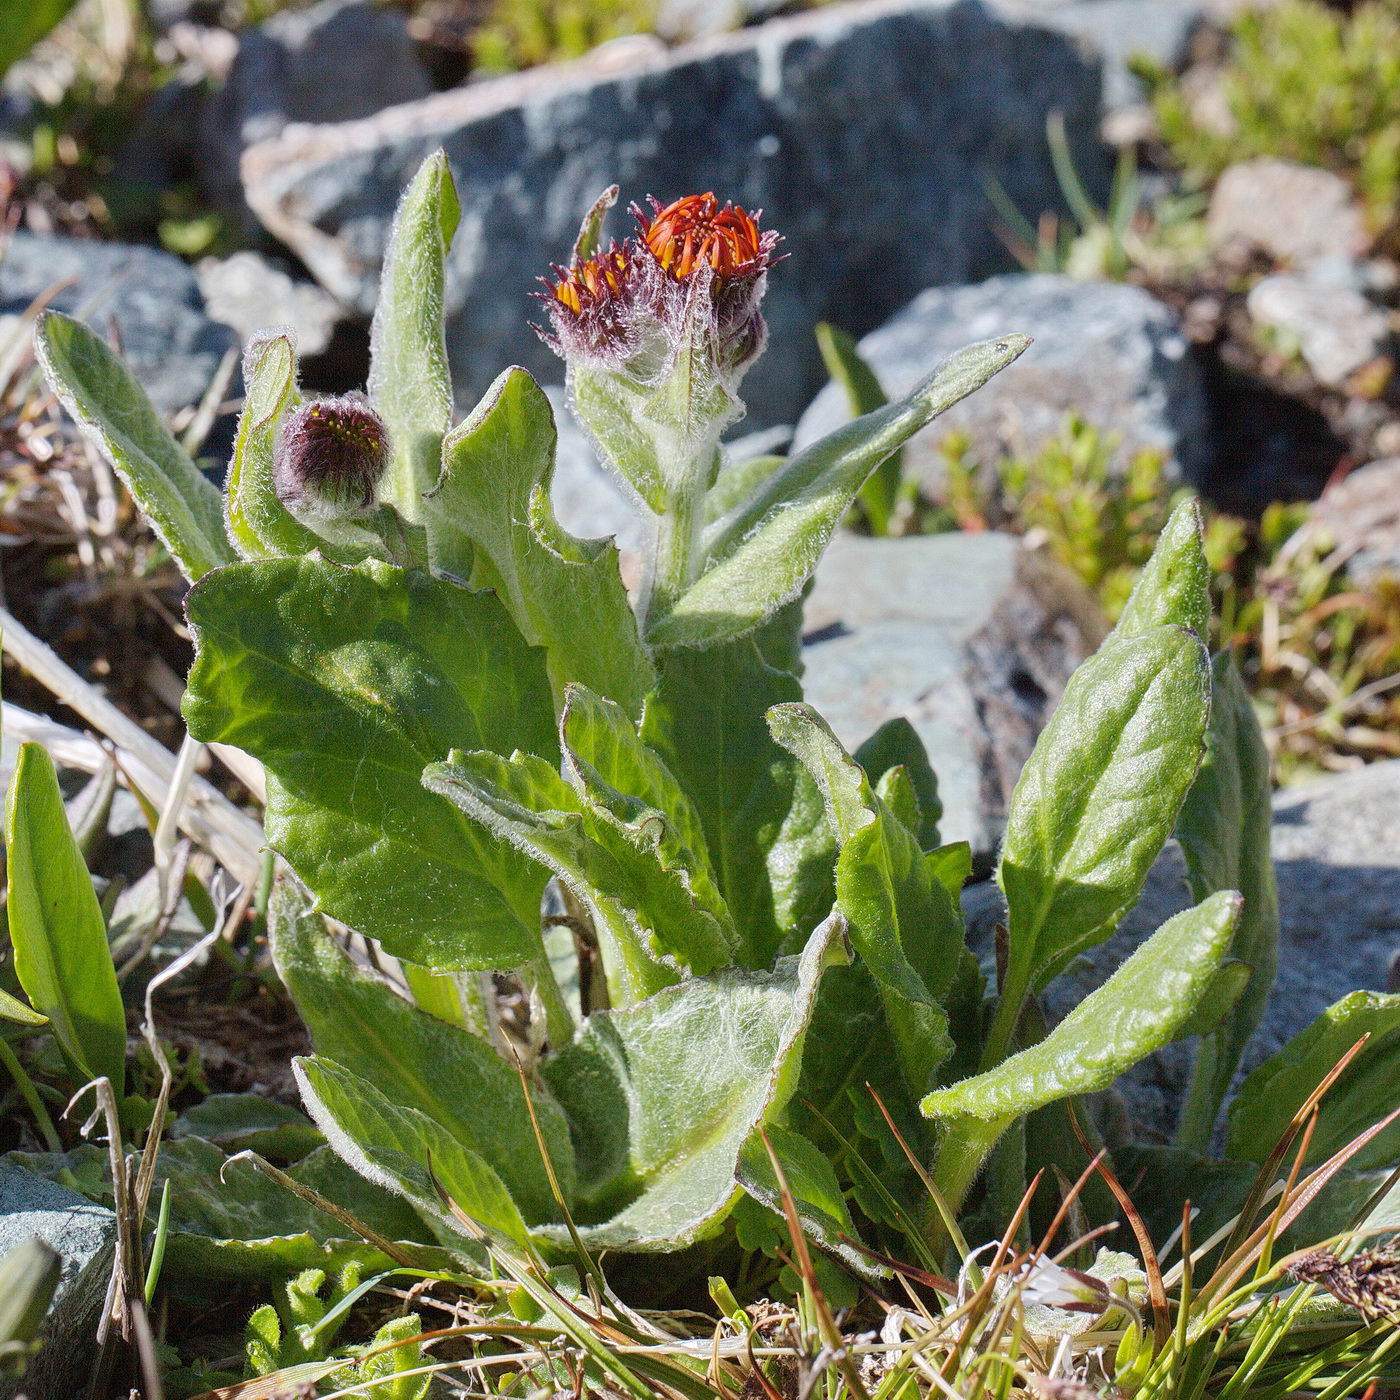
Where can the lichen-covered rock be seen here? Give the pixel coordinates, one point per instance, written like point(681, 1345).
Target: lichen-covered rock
point(83, 1235)
point(1111, 353)
point(251, 293)
point(1337, 860)
point(1336, 329)
point(868, 134)
point(969, 637)
point(167, 338)
point(1294, 213)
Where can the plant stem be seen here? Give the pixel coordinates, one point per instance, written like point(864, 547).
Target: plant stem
point(25, 1084)
point(673, 564)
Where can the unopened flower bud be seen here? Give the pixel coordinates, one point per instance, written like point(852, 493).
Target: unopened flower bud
point(331, 456)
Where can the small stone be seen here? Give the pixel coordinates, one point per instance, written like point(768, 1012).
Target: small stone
point(1338, 331)
point(1337, 863)
point(151, 298)
point(1111, 353)
point(1361, 515)
point(971, 637)
point(251, 293)
point(1294, 213)
point(83, 1235)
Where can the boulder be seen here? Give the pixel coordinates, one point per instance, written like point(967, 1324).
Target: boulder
point(336, 61)
point(148, 297)
point(251, 293)
point(1361, 514)
point(875, 198)
point(83, 1235)
point(1109, 352)
point(1293, 213)
point(971, 637)
point(1338, 331)
point(1337, 862)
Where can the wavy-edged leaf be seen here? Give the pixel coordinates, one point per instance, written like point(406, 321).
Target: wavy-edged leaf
point(896, 744)
point(346, 683)
point(901, 921)
point(489, 519)
point(646, 920)
point(764, 551)
point(410, 384)
point(62, 958)
point(408, 1153)
point(1224, 830)
point(1099, 796)
point(1142, 1007)
point(359, 1021)
point(112, 410)
point(662, 1097)
point(1365, 1093)
point(815, 1192)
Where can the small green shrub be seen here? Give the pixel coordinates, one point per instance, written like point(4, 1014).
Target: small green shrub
point(523, 33)
point(1306, 82)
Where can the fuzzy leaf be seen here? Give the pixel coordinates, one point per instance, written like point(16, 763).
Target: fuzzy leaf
point(59, 937)
point(114, 413)
point(764, 551)
point(359, 1021)
point(1365, 1093)
point(1142, 1007)
point(1099, 796)
point(346, 683)
point(565, 595)
point(901, 921)
point(406, 1152)
point(896, 743)
point(1174, 586)
point(706, 720)
point(1224, 833)
point(410, 384)
point(663, 1096)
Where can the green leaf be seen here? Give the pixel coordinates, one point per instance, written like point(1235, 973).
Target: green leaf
point(258, 523)
point(1098, 798)
point(1174, 586)
point(815, 1191)
point(346, 683)
point(22, 26)
point(565, 595)
point(410, 384)
point(736, 482)
point(765, 550)
point(896, 743)
point(662, 1097)
point(405, 1151)
point(879, 497)
point(238, 1122)
point(706, 720)
point(112, 410)
point(12, 1009)
point(359, 1021)
point(1224, 834)
point(901, 920)
point(1142, 1007)
point(1365, 1093)
point(645, 918)
point(29, 1277)
point(56, 928)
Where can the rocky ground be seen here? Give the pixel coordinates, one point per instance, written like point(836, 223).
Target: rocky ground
point(870, 133)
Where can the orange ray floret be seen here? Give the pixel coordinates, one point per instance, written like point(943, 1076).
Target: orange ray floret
point(593, 282)
point(697, 229)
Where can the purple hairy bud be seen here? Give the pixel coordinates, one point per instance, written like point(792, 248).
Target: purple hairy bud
point(331, 455)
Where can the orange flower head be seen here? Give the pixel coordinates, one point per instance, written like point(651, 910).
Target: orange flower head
point(592, 284)
point(697, 229)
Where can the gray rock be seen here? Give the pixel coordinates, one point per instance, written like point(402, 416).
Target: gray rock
point(867, 133)
point(1361, 513)
point(250, 293)
point(1111, 353)
point(1294, 213)
point(338, 60)
point(1337, 330)
point(1336, 849)
point(83, 1234)
point(969, 637)
point(150, 297)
